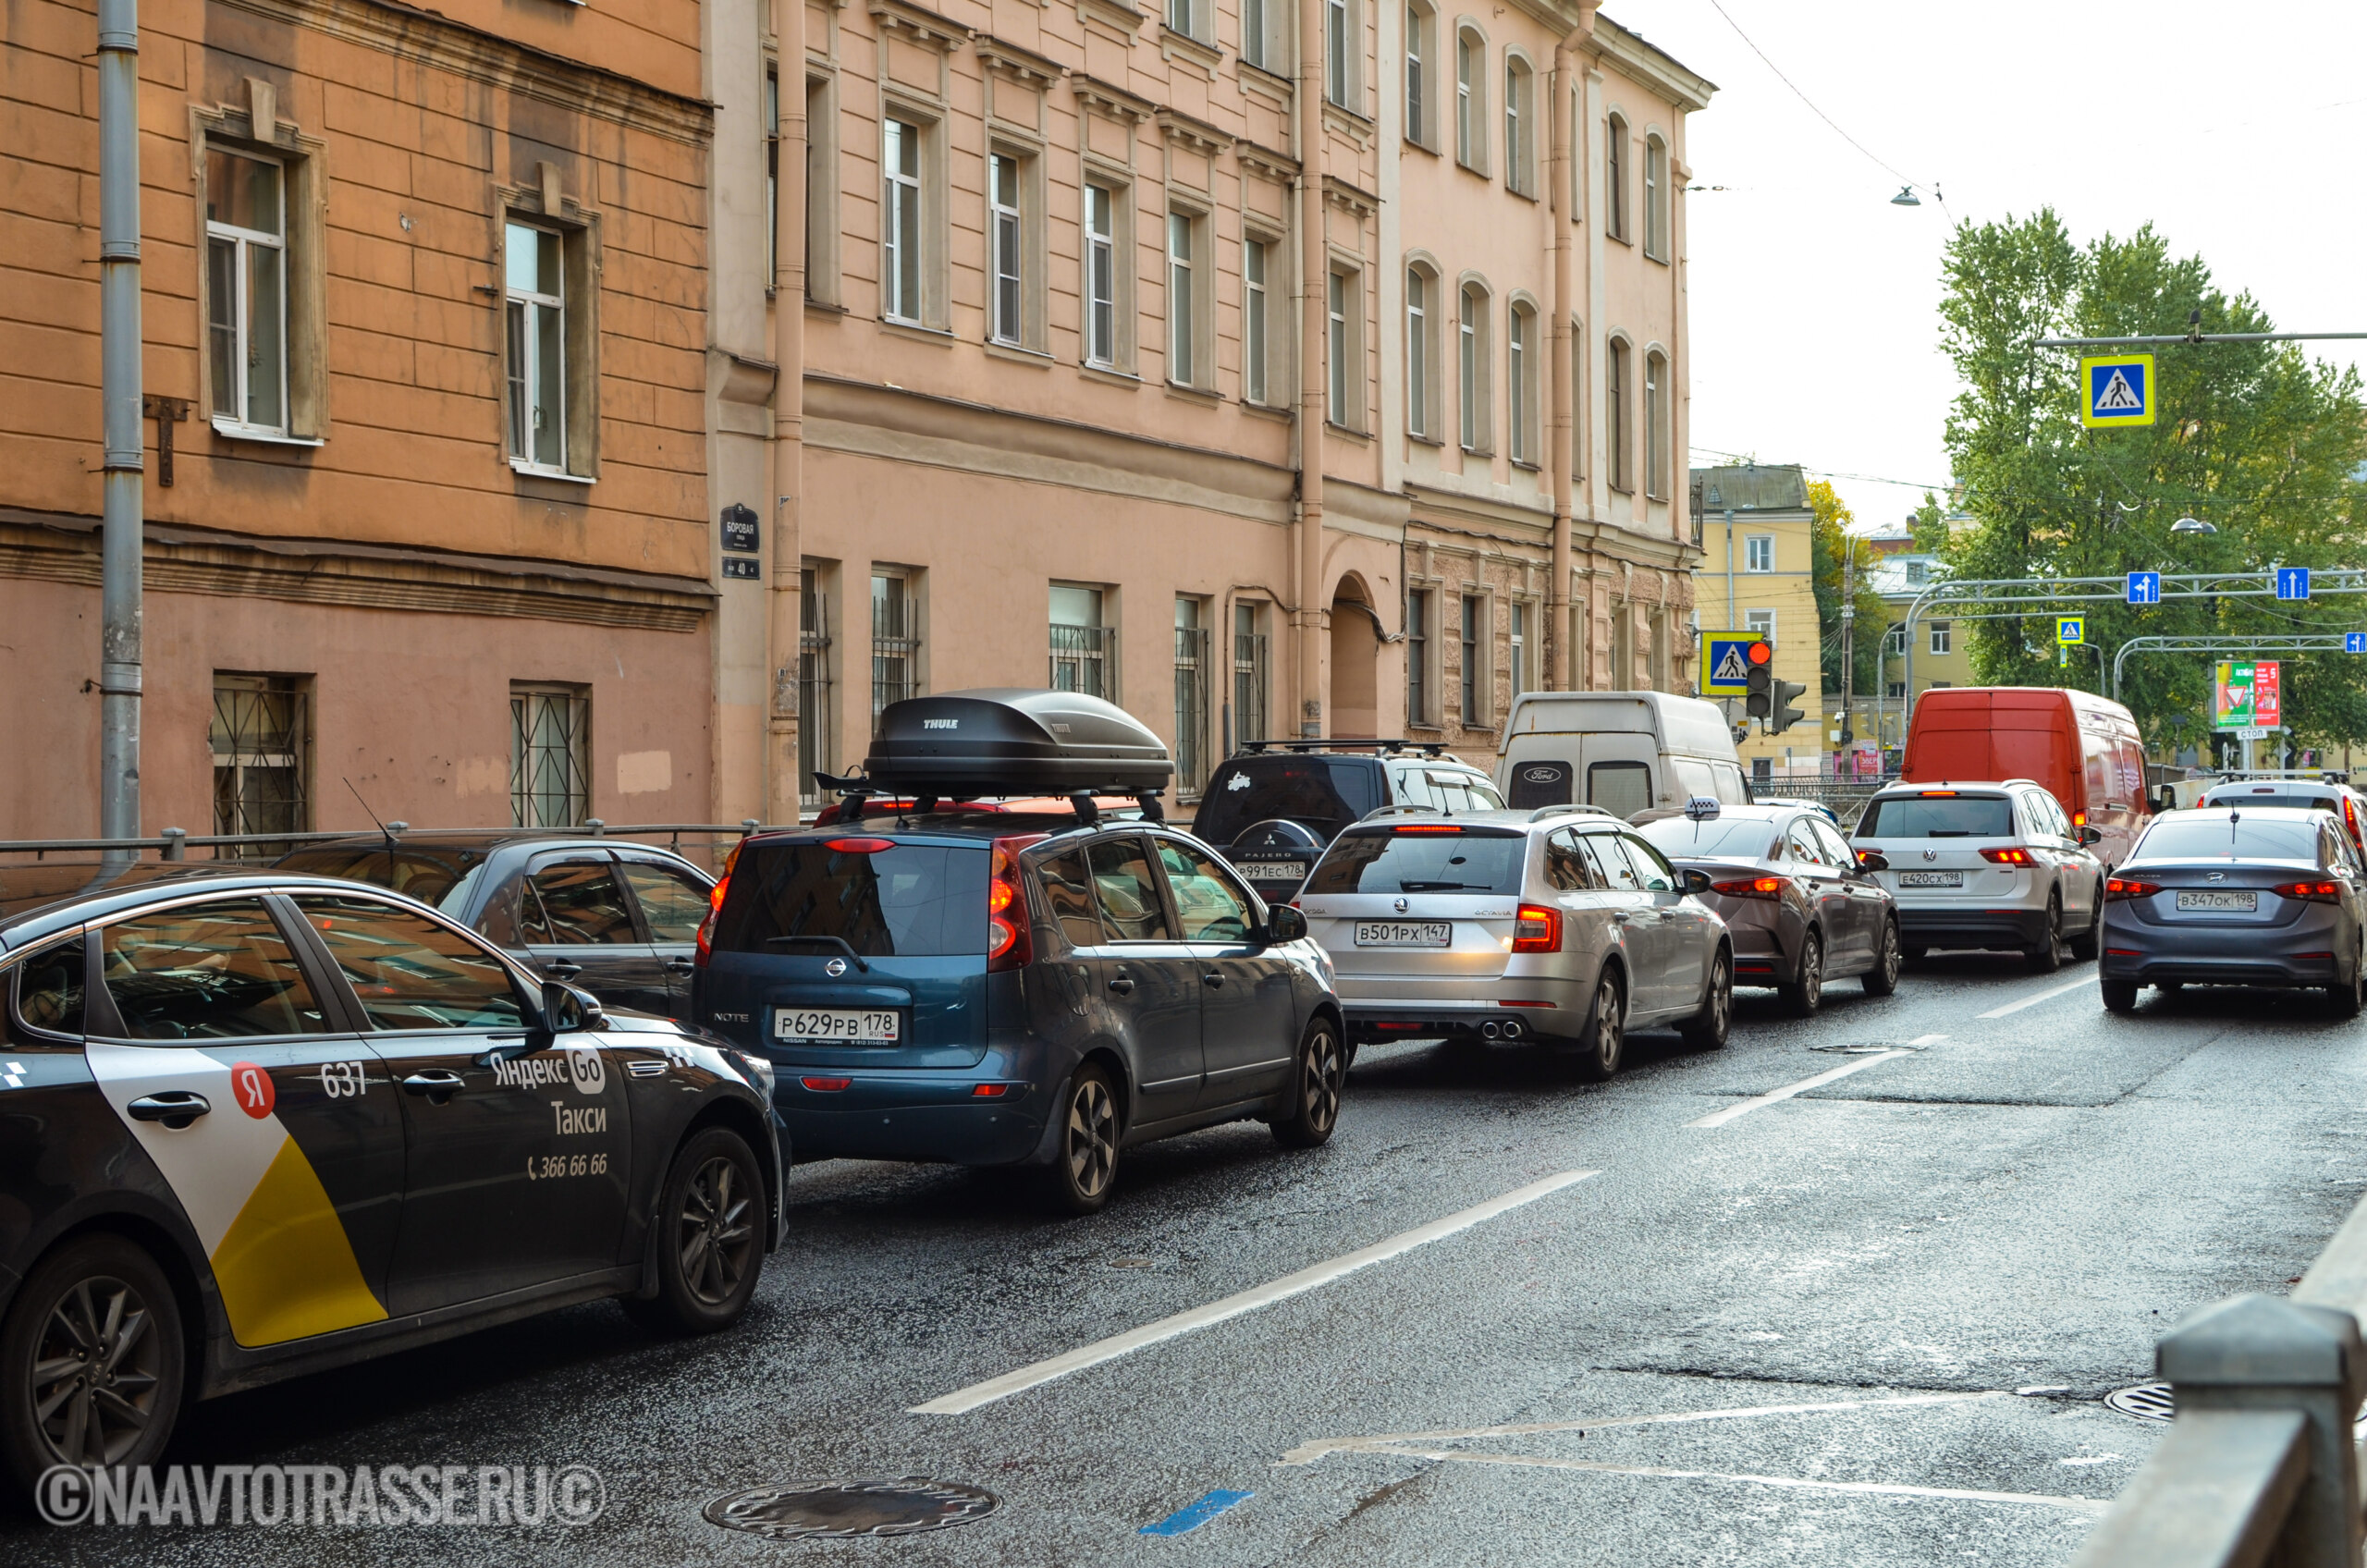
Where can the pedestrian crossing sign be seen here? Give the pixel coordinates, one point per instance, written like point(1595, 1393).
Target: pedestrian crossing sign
point(1725, 663)
point(2071, 629)
point(2116, 389)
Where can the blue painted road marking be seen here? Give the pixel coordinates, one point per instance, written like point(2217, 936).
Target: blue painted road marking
point(1193, 1515)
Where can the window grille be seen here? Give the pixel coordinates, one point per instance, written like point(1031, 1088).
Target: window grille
point(261, 744)
point(550, 755)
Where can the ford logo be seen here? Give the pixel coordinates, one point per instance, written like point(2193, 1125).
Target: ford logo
point(835, 968)
point(1550, 773)
point(1401, 906)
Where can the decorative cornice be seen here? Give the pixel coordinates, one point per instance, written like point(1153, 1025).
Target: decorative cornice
point(439, 43)
point(1340, 193)
point(1119, 16)
point(1194, 133)
point(1265, 160)
point(1023, 66)
point(1648, 66)
point(1175, 46)
point(59, 547)
point(924, 26)
point(1115, 102)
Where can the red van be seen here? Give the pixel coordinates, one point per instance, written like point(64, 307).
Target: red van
point(2083, 748)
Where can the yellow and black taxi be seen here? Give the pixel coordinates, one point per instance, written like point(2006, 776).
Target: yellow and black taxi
point(254, 1124)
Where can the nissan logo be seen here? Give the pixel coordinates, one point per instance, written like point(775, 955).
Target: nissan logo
point(835, 968)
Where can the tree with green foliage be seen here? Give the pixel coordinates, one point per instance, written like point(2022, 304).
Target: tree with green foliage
point(2257, 439)
point(1835, 549)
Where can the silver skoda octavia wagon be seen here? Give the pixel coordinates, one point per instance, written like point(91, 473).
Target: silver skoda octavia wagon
point(1563, 925)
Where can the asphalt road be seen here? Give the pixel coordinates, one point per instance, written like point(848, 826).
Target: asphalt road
point(1871, 1322)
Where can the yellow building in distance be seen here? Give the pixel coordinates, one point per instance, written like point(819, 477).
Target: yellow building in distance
point(1757, 574)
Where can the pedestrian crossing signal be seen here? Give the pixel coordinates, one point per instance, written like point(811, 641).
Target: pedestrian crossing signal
point(2116, 389)
point(1732, 668)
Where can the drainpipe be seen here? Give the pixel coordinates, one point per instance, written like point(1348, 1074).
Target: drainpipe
point(782, 599)
point(1314, 377)
point(1561, 441)
point(120, 592)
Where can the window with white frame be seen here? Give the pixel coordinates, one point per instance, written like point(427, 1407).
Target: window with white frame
point(1579, 435)
point(1417, 656)
point(900, 272)
point(1418, 75)
point(1940, 640)
point(1470, 101)
point(1255, 303)
point(1517, 661)
point(1759, 552)
point(1256, 47)
point(1615, 391)
point(1181, 300)
point(1895, 642)
point(1520, 365)
point(535, 265)
point(1008, 243)
point(1520, 135)
point(1344, 304)
point(1471, 368)
point(1192, 679)
point(1101, 276)
point(1656, 198)
point(1339, 60)
point(1614, 178)
point(1762, 622)
point(1421, 354)
point(1180, 16)
point(772, 177)
point(246, 241)
point(1249, 671)
point(1656, 426)
point(1085, 647)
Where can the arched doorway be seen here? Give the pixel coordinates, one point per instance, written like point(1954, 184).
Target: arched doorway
point(1355, 653)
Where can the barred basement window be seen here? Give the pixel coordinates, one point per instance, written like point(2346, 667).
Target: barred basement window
point(1085, 652)
point(550, 755)
point(1249, 685)
point(1191, 698)
point(895, 642)
point(262, 742)
point(812, 688)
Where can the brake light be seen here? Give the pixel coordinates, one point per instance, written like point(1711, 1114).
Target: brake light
point(2309, 892)
point(826, 1085)
point(1428, 827)
point(1008, 945)
point(1537, 929)
point(1939, 794)
point(2350, 821)
point(1769, 888)
point(989, 1091)
point(2128, 887)
point(858, 846)
point(715, 906)
point(2007, 857)
point(2078, 819)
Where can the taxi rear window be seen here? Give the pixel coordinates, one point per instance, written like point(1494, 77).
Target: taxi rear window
point(1422, 861)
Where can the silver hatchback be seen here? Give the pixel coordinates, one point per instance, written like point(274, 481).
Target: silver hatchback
point(1563, 925)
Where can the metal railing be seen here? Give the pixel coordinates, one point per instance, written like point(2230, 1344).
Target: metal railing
point(174, 843)
point(2261, 1463)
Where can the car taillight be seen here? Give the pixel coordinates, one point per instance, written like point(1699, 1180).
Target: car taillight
point(2130, 888)
point(1008, 945)
point(715, 906)
point(2350, 821)
point(2078, 819)
point(2007, 857)
point(1537, 929)
point(1769, 888)
point(858, 846)
point(2309, 892)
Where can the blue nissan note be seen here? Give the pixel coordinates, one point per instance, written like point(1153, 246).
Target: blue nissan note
point(992, 988)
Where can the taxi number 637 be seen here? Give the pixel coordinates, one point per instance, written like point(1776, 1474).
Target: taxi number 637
point(343, 1080)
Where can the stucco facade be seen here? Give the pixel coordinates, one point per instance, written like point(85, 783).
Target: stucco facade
point(404, 511)
point(1757, 572)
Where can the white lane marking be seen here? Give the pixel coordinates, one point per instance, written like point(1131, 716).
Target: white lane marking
point(2045, 996)
point(1744, 1107)
point(1879, 1488)
point(1307, 1453)
point(965, 1400)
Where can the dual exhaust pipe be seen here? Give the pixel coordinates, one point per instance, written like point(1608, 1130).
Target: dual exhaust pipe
point(1510, 1029)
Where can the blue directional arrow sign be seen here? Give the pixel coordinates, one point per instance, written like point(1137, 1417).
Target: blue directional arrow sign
point(2354, 642)
point(2144, 587)
point(2292, 582)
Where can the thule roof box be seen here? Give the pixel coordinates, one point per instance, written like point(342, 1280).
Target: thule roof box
point(960, 746)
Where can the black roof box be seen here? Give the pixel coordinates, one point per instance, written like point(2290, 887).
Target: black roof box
point(1015, 741)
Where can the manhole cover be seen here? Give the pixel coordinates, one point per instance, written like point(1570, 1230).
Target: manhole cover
point(844, 1510)
point(2147, 1402)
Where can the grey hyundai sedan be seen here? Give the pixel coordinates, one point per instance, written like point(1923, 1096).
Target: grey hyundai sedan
point(2247, 896)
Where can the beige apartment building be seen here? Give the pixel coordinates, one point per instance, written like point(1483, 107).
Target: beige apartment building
point(425, 317)
point(1757, 572)
point(1275, 371)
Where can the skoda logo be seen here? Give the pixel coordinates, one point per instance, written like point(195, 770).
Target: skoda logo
point(1401, 906)
point(835, 968)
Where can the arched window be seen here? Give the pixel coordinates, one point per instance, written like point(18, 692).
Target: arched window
point(1656, 426)
point(1520, 129)
point(1614, 178)
point(1656, 198)
point(1471, 101)
point(1614, 408)
point(1421, 353)
point(1471, 367)
point(1521, 357)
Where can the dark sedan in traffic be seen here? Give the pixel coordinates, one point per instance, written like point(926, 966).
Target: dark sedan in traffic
point(2255, 896)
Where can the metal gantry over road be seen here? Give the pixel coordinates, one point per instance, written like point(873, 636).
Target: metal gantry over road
point(2005, 598)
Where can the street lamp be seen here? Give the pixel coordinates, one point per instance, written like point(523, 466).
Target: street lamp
point(2191, 525)
point(1905, 198)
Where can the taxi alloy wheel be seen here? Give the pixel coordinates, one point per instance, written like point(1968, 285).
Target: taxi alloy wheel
point(1088, 1164)
point(1883, 979)
point(1314, 1097)
point(94, 1361)
point(1604, 1039)
point(708, 1235)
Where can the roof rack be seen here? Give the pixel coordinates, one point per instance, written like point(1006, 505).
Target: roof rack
point(1567, 809)
point(1383, 748)
point(1402, 808)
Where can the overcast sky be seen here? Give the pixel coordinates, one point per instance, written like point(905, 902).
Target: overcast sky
point(2237, 130)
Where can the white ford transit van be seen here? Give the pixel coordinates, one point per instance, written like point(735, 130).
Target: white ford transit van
point(1626, 752)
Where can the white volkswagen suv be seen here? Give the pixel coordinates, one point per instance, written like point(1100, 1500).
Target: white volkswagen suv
point(1561, 924)
point(1987, 865)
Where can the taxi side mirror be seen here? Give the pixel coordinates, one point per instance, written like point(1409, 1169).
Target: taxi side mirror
point(1285, 923)
point(566, 1010)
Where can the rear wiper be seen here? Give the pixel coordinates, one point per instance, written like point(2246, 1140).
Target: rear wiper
point(1441, 886)
point(1949, 833)
point(838, 942)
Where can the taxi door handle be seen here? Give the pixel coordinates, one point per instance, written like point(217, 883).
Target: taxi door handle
point(1211, 978)
point(562, 969)
point(680, 967)
point(436, 1084)
point(1619, 917)
point(175, 1108)
point(1122, 986)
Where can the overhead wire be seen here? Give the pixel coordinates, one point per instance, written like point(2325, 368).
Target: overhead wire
point(1828, 119)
